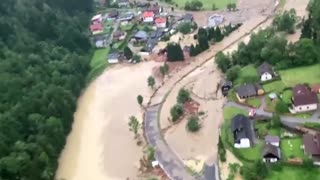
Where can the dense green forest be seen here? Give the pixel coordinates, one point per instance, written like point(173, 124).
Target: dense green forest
point(43, 64)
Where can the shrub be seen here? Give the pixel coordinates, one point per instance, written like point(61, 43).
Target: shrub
point(221, 150)
point(281, 107)
point(185, 28)
point(183, 96)
point(176, 112)
point(193, 124)
point(233, 73)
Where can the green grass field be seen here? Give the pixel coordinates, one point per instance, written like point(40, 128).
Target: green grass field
point(98, 63)
point(295, 173)
point(252, 153)
point(307, 74)
point(254, 102)
point(248, 74)
point(291, 148)
point(207, 4)
point(274, 87)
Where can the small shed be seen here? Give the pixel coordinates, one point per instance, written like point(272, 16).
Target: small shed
point(113, 58)
point(271, 153)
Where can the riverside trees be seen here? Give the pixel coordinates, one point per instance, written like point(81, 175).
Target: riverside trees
point(44, 62)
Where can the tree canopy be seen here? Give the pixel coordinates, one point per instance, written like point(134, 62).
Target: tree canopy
point(44, 62)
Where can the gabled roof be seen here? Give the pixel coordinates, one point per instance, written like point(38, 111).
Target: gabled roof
point(247, 90)
point(141, 35)
point(160, 20)
point(312, 144)
point(265, 68)
point(96, 17)
point(241, 127)
point(114, 55)
point(302, 95)
point(271, 149)
point(272, 139)
point(95, 27)
point(147, 14)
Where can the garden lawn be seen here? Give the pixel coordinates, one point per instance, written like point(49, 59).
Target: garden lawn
point(252, 153)
point(294, 173)
point(247, 74)
point(274, 87)
point(207, 4)
point(270, 105)
point(286, 96)
point(306, 74)
point(98, 63)
point(254, 102)
point(127, 27)
point(295, 150)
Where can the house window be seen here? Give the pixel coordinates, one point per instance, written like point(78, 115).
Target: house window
point(307, 107)
point(300, 108)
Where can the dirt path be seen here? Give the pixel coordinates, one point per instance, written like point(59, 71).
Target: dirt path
point(100, 146)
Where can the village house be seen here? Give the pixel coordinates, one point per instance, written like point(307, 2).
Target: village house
point(123, 3)
point(154, 37)
point(303, 99)
point(271, 153)
point(249, 90)
point(96, 28)
point(273, 140)
point(311, 145)
point(148, 16)
point(187, 18)
point(99, 41)
point(161, 22)
point(140, 36)
point(97, 19)
point(113, 14)
point(119, 35)
point(265, 71)
point(155, 9)
point(126, 17)
point(113, 58)
point(241, 130)
point(225, 86)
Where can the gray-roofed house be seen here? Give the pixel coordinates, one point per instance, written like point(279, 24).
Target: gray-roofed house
point(273, 140)
point(140, 36)
point(271, 153)
point(266, 72)
point(188, 18)
point(249, 90)
point(311, 145)
point(148, 48)
point(123, 3)
point(126, 16)
point(99, 41)
point(113, 14)
point(113, 58)
point(242, 131)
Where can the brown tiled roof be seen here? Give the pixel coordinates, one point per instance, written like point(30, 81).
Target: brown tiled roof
point(311, 144)
point(303, 96)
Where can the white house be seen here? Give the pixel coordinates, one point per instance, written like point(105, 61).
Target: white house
point(271, 153)
point(96, 19)
point(148, 16)
point(265, 71)
point(304, 99)
point(242, 132)
point(113, 58)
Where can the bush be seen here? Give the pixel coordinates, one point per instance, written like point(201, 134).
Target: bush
point(281, 107)
point(193, 124)
point(136, 58)
point(183, 96)
point(185, 28)
point(221, 150)
point(176, 112)
point(194, 5)
point(233, 73)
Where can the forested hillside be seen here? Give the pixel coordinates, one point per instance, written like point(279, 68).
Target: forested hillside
point(43, 63)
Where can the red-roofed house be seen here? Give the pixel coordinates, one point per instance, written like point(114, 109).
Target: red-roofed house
point(96, 27)
point(161, 22)
point(148, 16)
